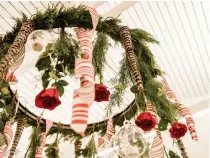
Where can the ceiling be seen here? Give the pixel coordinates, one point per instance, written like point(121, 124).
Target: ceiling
point(183, 29)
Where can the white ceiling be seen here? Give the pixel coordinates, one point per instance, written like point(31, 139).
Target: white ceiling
point(183, 29)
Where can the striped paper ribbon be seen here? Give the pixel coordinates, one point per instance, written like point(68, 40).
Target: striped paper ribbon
point(109, 132)
point(39, 150)
point(8, 133)
point(84, 96)
point(183, 110)
point(157, 150)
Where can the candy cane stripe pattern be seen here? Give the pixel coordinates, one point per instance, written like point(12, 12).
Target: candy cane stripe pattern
point(183, 111)
point(157, 150)
point(108, 135)
point(39, 150)
point(8, 133)
point(127, 41)
point(84, 96)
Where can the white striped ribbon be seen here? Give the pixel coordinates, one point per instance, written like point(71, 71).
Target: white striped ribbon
point(39, 150)
point(183, 110)
point(84, 96)
point(8, 133)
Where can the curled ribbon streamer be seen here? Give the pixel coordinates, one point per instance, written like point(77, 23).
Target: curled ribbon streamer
point(108, 135)
point(8, 135)
point(43, 139)
point(183, 110)
point(84, 96)
point(157, 150)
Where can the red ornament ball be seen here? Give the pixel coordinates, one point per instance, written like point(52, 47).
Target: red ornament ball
point(101, 93)
point(178, 130)
point(145, 121)
point(48, 99)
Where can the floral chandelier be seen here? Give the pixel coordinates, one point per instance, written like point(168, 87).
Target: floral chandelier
point(155, 107)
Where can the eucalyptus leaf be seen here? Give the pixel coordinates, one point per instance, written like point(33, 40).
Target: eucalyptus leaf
point(62, 82)
point(43, 63)
point(2, 139)
point(1, 125)
point(163, 124)
point(53, 75)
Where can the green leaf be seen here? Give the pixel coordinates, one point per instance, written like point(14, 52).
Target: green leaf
point(120, 87)
point(163, 124)
point(177, 156)
point(5, 90)
point(53, 75)
point(44, 54)
point(45, 83)
point(172, 154)
point(134, 89)
point(2, 139)
point(1, 125)
point(60, 90)
point(43, 63)
point(62, 82)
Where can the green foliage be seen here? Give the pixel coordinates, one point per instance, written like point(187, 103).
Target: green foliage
point(163, 124)
point(173, 154)
point(52, 150)
point(35, 142)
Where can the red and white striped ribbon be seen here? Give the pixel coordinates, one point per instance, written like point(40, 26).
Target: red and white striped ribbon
point(157, 150)
point(8, 133)
point(43, 139)
point(84, 96)
point(108, 135)
point(183, 110)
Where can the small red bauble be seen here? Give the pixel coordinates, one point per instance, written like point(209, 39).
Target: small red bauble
point(178, 130)
point(101, 93)
point(48, 99)
point(145, 121)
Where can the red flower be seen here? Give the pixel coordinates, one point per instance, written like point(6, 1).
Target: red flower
point(145, 121)
point(101, 93)
point(178, 130)
point(48, 99)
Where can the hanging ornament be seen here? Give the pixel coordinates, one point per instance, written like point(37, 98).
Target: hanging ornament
point(39, 150)
point(145, 121)
point(102, 141)
point(101, 93)
point(178, 130)
point(15, 55)
point(19, 130)
point(183, 110)
point(37, 41)
point(130, 141)
point(84, 96)
point(48, 99)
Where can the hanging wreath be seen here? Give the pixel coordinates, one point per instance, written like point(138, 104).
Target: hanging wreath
point(138, 67)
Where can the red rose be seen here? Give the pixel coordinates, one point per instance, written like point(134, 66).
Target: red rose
point(48, 99)
point(178, 130)
point(101, 93)
point(145, 121)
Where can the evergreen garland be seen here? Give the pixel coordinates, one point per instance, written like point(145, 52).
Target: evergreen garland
point(59, 61)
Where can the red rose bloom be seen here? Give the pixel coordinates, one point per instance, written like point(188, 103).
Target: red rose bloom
point(145, 121)
point(48, 99)
point(101, 93)
point(178, 130)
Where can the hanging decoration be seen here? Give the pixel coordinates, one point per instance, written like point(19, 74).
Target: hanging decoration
point(101, 93)
point(15, 55)
point(109, 133)
point(8, 133)
point(48, 99)
point(18, 133)
point(129, 140)
point(178, 130)
point(39, 150)
point(183, 111)
point(84, 96)
point(145, 121)
point(157, 149)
